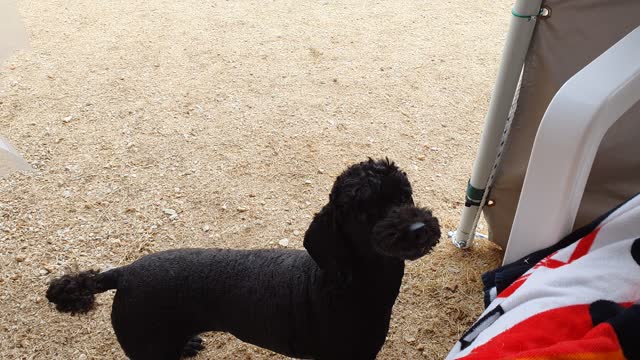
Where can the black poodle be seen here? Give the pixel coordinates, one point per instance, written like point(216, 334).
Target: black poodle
point(332, 301)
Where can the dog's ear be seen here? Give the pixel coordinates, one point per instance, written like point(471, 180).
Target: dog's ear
point(320, 236)
point(325, 244)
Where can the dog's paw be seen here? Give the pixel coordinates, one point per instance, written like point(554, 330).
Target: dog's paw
point(193, 346)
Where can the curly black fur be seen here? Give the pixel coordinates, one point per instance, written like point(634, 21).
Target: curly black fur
point(332, 301)
point(407, 232)
point(73, 293)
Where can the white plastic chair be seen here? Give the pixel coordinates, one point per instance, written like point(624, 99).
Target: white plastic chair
point(575, 122)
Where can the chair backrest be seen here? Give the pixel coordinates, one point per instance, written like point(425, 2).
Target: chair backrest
point(567, 141)
point(573, 36)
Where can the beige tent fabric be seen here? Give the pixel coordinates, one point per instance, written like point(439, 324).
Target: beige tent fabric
point(13, 35)
point(576, 33)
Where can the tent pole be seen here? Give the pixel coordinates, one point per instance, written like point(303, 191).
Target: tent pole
point(516, 46)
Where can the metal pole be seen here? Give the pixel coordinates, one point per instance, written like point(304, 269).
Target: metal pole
point(518, 39)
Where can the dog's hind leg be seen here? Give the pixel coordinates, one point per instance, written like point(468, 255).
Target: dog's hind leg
point(145, 333)
point(158, 348)
point(151, 345)
point(193, 346)
point(156, 342)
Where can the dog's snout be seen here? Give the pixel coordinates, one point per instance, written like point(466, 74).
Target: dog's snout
point(417, 225)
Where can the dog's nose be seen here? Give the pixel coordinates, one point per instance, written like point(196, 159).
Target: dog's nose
point(417, 225)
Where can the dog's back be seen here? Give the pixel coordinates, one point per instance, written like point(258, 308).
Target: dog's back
point(177, 294)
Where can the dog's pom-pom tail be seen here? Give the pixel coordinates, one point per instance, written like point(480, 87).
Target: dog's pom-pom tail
point(74, 293)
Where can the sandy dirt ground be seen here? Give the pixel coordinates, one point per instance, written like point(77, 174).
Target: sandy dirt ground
point(237, 115)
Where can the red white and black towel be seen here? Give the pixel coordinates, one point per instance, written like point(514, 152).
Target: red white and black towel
point(579, 299)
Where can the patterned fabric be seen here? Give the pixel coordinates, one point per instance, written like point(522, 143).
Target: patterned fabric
point(574, 300)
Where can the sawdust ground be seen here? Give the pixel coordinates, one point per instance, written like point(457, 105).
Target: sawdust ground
point(237, 115)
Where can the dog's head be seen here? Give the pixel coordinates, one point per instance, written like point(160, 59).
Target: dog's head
point(370, 214)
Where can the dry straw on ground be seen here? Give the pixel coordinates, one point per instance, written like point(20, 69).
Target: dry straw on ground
point(165, 124)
